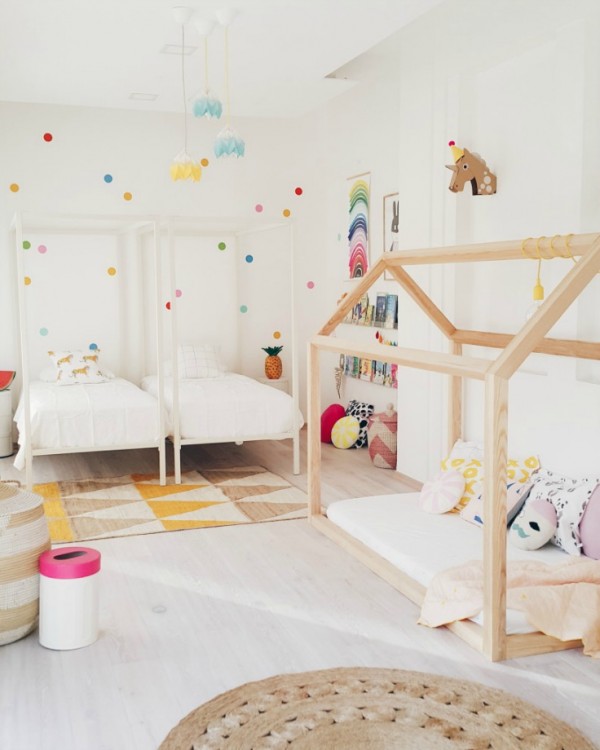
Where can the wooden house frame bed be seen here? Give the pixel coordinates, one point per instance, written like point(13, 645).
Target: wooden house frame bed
point(88, 224)
point(490, 638)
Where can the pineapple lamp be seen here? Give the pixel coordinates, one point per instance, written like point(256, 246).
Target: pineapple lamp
point(207, 104)
point(228, 142)
point(273, 363)
point(183, 166)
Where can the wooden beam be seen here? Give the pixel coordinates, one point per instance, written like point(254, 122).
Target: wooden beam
point(451, 364)
point(559, 347)
point(561, 298)
point(529, 644)
point(314, 432)
point(455, 403)
point(353, 297)
point(486, 251)
point(423, 301)
point(494, 510)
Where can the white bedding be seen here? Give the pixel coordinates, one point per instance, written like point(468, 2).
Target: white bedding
point(230, 406)
point(422, 544)
point(86, 416)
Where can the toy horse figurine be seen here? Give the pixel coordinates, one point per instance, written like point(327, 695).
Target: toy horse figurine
point(470, 167)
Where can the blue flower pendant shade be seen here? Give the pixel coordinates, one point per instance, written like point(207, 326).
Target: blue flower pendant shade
point(229, 143)
point(183, 167)
point(208, 105)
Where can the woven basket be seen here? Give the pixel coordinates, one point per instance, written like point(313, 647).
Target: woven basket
point(383, 440)
point(23, 537)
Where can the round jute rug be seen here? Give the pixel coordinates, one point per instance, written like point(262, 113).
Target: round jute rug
point(370, 709)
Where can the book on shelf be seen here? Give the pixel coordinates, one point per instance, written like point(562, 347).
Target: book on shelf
point(355, 367)
point(378, 369)
point(370, 315)
point(365, 369)
point(380, 307)
point(391, 311)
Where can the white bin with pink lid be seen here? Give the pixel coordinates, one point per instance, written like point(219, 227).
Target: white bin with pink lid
point(69, 597)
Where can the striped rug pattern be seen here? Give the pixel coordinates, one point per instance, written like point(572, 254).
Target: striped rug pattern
point(100, 508)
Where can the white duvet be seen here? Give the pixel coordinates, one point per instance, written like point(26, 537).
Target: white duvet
point(86, 416)
point(230, 406)
point(423, 544)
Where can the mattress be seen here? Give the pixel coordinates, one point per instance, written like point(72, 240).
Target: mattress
point(422, 544)
point(115, 413)
point(230, 406)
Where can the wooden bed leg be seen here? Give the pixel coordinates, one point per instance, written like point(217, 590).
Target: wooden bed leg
point(314, 433)
point(494, 509)
point(162, 463)
point(296, 449)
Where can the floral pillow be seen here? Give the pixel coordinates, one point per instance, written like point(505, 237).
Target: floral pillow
point(77, 367)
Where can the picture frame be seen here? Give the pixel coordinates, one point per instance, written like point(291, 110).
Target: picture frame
point(391, 220)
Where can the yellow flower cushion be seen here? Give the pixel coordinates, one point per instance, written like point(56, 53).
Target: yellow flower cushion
point(345, 432)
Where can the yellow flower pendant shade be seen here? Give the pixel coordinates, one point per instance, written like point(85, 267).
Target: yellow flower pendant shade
point(184, 167)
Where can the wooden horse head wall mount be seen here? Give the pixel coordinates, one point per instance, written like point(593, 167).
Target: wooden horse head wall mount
point(470, 167)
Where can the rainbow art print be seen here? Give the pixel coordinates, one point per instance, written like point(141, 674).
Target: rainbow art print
point(358, 225)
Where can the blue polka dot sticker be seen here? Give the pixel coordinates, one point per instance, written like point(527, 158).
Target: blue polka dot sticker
point(244, 309)
point(93, 347)
point(43, 331)
point(249, 258)
point(108, 178)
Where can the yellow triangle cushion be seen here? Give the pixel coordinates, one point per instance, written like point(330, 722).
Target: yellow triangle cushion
point(345, 432)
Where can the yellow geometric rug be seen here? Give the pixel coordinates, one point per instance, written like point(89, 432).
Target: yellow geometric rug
point(100, 508)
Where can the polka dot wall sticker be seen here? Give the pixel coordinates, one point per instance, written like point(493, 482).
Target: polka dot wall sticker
point(178, 292)
point(127, 196)
point(249, 258)
point(42, 249)
point(310, 284)
point(14, 188)
point(204, 162)
point(286, 212)
point(168, 305)
point(111, 271)
point(259, 208)
point(93, 347)
point(276, 334)
point(298, 191)
point(26, 245)
point(243, 308)
point(108, 178)
point(27, 280)
point(221, 246)
point(43, 331)
point(48, 137)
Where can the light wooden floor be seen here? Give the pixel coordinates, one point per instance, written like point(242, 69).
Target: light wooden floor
point(187, 615)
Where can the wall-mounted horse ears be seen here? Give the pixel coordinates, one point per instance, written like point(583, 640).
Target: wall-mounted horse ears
point(470, 167)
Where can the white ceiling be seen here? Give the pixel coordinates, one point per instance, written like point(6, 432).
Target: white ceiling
point(96, 53)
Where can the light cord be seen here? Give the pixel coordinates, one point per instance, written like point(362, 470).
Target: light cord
point(183, 87)
point(206, 65)
point(227, 103)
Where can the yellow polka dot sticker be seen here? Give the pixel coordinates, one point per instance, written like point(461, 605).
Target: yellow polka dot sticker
point(27, 280)
point(277, 334)
point(204, 162)
point(112, 271)
point(127, 196)
point(286, 212)
point(14, 188)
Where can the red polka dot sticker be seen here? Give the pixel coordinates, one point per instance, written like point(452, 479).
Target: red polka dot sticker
point(298, 191)
point(14, 188)
point(168, 305)
point(259, 208)
point(48, 137)
point(310, 284)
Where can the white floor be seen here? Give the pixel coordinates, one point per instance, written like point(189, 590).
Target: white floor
point(187, 615)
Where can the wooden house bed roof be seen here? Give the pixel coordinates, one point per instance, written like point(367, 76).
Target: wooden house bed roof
point(584, 249)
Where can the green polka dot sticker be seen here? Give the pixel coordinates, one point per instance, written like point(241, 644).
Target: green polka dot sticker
point(244, 308)
point(26, 245)
point(221, 246)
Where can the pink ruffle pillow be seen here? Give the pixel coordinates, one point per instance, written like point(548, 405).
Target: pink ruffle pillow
point(441, 494)
point(329, 417)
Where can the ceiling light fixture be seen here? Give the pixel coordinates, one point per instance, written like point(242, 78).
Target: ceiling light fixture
point(183, 166)
point(207, 104)
point(228, 142)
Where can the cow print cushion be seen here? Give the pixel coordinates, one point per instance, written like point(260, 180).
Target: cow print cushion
point(362, 412)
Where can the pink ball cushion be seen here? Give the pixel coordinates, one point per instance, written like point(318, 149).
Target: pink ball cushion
point(441, 494)
point(589, 526)
point(329, 417)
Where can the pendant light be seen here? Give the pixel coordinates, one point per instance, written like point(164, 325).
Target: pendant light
point(183, 166)
point(228, 142)
point(207, 104)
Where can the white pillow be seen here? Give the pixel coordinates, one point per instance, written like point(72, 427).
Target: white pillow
point(199, 361)
point(76, 367)
point(48, 374)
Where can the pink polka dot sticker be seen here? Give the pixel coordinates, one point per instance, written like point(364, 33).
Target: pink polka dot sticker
point(259, 208)
point(310, 284)
point(178, 292)
point(42, 249)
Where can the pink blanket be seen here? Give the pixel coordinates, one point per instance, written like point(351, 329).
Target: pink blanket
point(560, 600)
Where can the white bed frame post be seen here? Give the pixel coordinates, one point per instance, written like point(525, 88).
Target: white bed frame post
point(162, 460)
point(295, 383)
point(174, 363)
point(24, 344)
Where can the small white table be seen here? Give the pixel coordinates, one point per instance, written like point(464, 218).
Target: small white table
point(282, 384)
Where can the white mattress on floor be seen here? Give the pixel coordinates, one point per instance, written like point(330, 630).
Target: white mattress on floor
point(230, 406)
point(116, 412)
point(422, 544)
